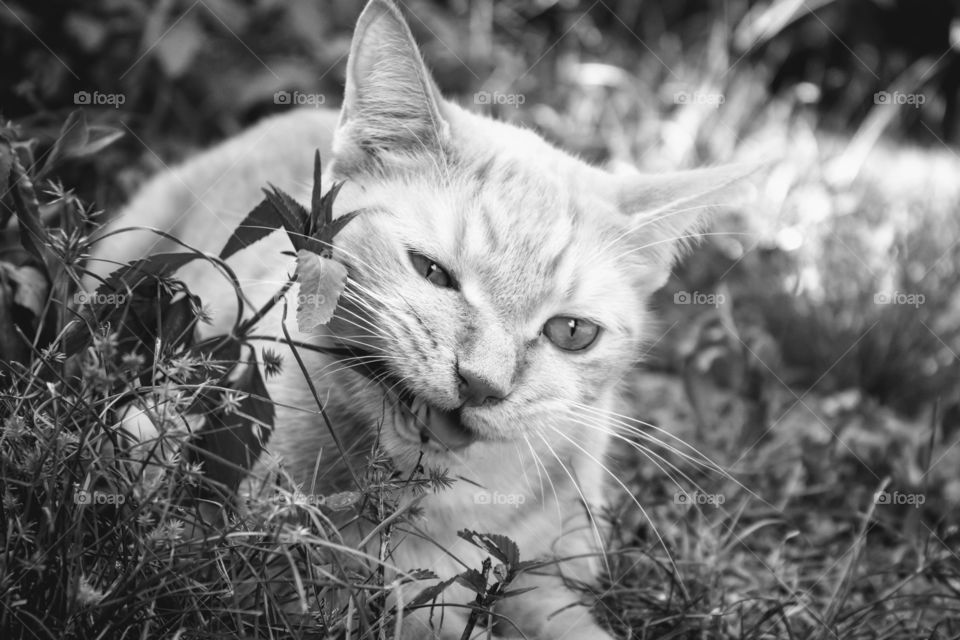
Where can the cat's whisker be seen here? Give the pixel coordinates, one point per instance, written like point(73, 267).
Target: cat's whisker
point(626, 490)
point(672, 240)
point(601, 543)
point(648, 453)
point(538, 464)
point(701, 459)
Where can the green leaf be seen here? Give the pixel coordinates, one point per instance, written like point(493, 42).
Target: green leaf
point(259, 223)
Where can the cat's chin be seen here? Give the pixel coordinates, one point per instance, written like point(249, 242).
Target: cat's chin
point(422, 423)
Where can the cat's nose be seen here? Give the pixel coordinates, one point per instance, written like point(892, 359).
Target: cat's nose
point(476, 390)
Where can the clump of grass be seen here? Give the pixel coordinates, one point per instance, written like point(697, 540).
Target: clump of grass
point(124, 440)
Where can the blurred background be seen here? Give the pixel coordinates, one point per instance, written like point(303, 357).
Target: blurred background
point(840, 279)
point(809, 346)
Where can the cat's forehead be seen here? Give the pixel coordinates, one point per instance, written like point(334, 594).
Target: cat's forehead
point(521, 234)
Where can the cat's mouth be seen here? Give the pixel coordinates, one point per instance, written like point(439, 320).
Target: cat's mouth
point(420, 422)
point(415, 419)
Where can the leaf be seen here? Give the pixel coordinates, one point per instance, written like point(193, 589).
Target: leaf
point(515, 592)
point(156, 266)
point(322, 280)
point(501, 547)
point(26, 207)
point(259, 223)
point(473, 580)
point(430, 593)
point(292, 214)
point(316, 197)
point(74, 134)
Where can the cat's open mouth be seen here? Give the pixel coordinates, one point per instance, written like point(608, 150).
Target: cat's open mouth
point(419, 421)
point(416, 420)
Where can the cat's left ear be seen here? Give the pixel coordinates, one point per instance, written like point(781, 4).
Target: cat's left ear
point(668, 211)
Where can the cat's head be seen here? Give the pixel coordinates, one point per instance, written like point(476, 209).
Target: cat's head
point(497, 284)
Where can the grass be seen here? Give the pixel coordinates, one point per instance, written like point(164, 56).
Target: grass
point(811, 398)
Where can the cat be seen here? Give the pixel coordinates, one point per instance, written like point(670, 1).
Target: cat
point(499, 281)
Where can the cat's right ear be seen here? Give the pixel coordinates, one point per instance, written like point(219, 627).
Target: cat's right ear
point(391, 103)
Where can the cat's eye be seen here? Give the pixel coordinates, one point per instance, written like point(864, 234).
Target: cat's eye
point(431, 271)
point(571, 334)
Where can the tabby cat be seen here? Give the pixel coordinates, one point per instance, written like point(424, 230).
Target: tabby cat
point(499, 282)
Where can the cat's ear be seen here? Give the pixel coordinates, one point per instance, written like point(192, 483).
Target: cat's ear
point(668, 211)
point(391, 102)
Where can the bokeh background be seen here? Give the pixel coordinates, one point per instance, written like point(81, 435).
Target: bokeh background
point(809, 346)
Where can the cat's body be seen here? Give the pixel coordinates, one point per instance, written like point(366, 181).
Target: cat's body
point(514, 233)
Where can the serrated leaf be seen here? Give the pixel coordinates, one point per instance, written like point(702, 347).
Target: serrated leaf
point(292, 214)
point(322, 280)
point(259, 223)
point(473, 580)
point(501, 547)
point(330, 231)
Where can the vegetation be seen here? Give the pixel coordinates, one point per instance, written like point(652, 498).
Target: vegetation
point(809, 347)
